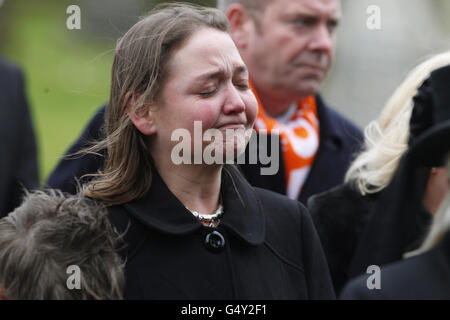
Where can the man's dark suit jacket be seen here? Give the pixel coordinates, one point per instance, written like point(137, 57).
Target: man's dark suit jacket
point(18, 155)
point(340, 140)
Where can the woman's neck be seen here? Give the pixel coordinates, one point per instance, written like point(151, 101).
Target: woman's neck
point(196, 186)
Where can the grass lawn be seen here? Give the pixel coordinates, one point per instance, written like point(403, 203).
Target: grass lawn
point(67, 75)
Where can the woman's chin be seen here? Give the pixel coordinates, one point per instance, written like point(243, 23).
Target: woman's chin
point(225, 153)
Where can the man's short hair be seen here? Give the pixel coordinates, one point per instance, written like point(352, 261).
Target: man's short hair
point(249, 4)
point(50, 232)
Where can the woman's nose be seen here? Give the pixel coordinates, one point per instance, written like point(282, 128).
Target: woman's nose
point(233, 101)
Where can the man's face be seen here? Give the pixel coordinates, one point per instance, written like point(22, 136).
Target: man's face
point(290, 46)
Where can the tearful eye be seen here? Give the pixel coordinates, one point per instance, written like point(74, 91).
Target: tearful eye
point(208, 93)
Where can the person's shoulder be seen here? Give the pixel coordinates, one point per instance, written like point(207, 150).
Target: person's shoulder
point(276, 208)
point(132, 232)
point(357, 289)
point(334, 195)
point(340, 216)
point(391, 282)
point(340, 122)
point(9, 70)
point(340, 200)
point(119, 218)
point(385, 283)
point(343, 120)
point(93, 130)
point(279, 205)
point(285, 218)
point(287, 226)
point(424, 276)
point(7, 66)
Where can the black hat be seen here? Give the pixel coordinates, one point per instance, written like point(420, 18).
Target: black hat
point(430, 120)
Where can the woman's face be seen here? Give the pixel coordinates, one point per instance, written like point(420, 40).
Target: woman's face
point(207, 81)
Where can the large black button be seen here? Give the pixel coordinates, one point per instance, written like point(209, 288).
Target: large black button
point(214, 241)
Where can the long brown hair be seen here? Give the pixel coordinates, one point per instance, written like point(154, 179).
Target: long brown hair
point(138, 74)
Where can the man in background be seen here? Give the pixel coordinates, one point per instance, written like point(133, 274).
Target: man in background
point(18, 152)
point(288, 47)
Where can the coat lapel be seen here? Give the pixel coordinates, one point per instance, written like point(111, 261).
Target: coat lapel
point(160, 209)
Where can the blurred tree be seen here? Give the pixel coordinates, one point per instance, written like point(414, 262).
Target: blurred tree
point(112, 18)
point(5, 17)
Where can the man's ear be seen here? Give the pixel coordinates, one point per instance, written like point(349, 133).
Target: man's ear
point(142, 119)
point(241, 24)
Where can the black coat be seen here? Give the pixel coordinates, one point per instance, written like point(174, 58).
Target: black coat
point(357, 232)
point(18, 155)
point(269, 250)
point(398, 222)
point(340, 140)
point(340, 216)
point(422, 277)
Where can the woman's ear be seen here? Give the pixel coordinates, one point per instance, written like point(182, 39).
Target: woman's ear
point(142, 119)
point(240, 24)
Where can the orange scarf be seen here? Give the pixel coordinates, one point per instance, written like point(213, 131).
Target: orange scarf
point(299, 138)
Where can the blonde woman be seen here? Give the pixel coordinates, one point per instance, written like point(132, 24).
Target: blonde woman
point(341, 214)
point(196, 229)
point(425, 272)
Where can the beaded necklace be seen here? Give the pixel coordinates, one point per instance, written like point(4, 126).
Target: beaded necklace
point(212, 219)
